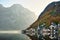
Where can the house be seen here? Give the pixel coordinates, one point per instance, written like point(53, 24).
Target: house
point(54, 30)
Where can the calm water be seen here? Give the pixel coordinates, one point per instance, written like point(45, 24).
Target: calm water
point(13, 37)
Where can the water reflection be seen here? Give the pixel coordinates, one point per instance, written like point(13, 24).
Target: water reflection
point(12, 35)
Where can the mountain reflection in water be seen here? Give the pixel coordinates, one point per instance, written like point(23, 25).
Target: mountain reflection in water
point(12, 35)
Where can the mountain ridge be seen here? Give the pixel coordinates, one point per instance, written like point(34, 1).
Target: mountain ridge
point(15, 17)
point(50, 14)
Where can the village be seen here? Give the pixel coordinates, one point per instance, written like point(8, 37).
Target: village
point(53, 31)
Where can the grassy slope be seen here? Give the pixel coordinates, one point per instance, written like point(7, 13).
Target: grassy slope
point(47, 18)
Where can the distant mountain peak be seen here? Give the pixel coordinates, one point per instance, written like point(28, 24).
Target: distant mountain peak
point(15, 17)
point(17, 6)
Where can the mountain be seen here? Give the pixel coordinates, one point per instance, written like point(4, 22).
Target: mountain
point(15, 17)
point(50, 14)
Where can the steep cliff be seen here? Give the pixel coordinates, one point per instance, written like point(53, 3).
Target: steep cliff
point(50, 14)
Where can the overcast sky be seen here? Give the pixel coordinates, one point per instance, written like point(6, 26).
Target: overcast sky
point(36, 6)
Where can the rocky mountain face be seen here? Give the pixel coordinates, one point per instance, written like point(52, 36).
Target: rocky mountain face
point(15, 17)
point(50, 14)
